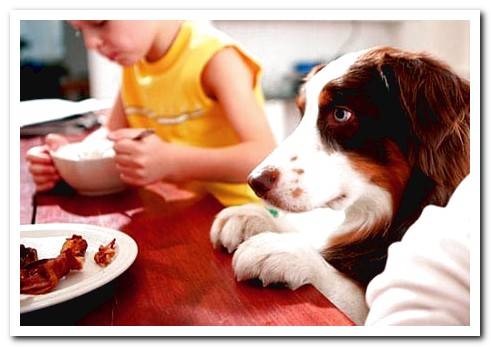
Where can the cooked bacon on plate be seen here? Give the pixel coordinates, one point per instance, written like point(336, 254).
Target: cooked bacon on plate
point(41, 276)
point(105, 254)
point(27, 255)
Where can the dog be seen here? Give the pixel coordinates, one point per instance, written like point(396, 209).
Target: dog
point(384, 133)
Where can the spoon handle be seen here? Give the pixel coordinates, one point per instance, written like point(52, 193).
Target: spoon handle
point(143, 134)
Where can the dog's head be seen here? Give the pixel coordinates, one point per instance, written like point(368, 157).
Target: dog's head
point(370, 119)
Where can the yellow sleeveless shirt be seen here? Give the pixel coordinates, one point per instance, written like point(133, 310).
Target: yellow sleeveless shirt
point(167, 96)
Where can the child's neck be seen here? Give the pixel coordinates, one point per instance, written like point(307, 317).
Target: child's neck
point(167, 32)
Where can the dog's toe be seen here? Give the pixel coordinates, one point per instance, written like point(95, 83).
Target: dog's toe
point(276, 258)
point(234, 225)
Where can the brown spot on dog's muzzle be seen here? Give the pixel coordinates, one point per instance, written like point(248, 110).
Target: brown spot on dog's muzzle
point(263, 183)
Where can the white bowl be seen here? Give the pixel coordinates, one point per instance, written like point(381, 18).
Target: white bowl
point(88, 168)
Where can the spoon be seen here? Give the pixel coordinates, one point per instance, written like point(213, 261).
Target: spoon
point(140, 136)
point(143, 134)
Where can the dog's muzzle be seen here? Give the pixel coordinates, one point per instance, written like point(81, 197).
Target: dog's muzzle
point(265, 181)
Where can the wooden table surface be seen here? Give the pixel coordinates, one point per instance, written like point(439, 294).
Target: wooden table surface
point(177, 277)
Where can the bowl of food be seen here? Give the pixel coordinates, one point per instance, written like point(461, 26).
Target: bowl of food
point(89, 167)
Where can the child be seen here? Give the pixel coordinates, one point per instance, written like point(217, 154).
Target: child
point(199, 91)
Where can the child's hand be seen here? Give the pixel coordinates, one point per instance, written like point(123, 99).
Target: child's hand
point(144, 161)
point(40, 164)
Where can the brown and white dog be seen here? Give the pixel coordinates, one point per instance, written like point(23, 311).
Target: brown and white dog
point(384, 133)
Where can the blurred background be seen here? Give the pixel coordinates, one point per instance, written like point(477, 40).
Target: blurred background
point(55, 64)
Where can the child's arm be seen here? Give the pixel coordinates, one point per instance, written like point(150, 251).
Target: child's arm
point(117, 118)
point(227, 80)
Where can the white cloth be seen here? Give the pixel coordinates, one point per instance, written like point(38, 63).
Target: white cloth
point(426, 279)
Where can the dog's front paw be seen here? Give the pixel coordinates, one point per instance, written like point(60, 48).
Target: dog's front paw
point(277, 258)
point(236, 224)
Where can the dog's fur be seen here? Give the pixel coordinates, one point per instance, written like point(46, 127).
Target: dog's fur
point(384, 133)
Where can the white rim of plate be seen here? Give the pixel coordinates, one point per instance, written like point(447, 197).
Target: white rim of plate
point(116, 268)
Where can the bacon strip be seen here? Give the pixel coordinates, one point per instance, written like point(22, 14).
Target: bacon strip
point(27, 256)
point(105, 254)
point(42, 276)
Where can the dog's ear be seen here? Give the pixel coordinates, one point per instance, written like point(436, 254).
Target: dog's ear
point(436, 103)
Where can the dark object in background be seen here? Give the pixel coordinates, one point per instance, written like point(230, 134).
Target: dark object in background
point(40, 80)
point(58, 78)
point(300, 70)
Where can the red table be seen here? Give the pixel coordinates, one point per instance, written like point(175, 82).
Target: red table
point(177, 278)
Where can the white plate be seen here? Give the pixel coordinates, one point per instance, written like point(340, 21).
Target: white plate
point(48, 239)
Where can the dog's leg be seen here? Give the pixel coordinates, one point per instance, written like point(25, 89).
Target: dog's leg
point(292, 258)
point(275, 251)
point(234, 225)
point(343, 292)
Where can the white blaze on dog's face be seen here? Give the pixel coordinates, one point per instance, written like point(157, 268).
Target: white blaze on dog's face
point(306, 171)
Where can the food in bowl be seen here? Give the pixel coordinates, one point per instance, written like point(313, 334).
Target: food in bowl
point(86, 150)
point(89, 167)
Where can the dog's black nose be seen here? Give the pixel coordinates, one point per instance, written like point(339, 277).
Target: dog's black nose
point(265, 181)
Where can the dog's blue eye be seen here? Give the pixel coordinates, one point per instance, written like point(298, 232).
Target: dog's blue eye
point(342, 114)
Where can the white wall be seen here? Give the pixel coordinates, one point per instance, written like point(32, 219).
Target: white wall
point(447, 40)
point(280, 44)
point(104, 76)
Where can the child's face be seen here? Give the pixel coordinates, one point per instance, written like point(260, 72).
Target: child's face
point(124, 42)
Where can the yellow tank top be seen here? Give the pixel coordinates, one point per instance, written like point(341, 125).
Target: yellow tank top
point(167, 96)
